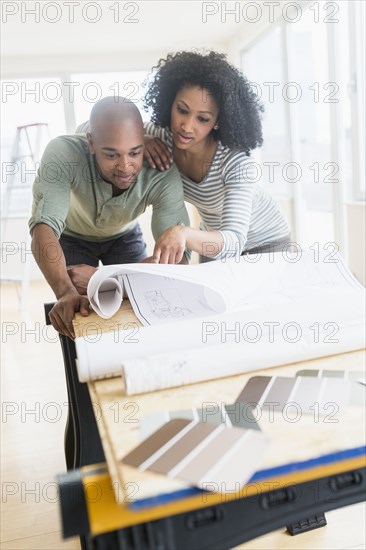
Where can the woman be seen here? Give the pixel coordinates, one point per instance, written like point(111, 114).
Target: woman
point(207, 119)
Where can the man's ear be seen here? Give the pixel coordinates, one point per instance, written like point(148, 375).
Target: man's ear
point(90, 141)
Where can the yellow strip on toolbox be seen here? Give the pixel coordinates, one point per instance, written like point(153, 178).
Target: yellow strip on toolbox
point(106, 515)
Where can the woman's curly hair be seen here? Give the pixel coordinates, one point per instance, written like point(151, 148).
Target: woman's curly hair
point(240, 109)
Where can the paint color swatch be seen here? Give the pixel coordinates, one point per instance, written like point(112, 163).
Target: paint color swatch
point(358, 389)
point(237, 415)
point(212, 457)
point(324, 373)
point(304, 393)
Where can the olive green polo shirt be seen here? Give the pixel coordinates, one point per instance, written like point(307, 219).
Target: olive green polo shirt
point(70, 196)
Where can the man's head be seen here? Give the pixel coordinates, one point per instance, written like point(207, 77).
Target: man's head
point(116, 138)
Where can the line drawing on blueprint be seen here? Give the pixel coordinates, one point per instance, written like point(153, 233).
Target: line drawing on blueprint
point(162, 307)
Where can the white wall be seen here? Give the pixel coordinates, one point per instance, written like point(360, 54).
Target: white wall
point(356, 216)
point(33, 44)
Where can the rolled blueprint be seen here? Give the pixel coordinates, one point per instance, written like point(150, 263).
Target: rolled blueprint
point(176, 369)
point(102, 354)
point(110, 292)
point(220, 345)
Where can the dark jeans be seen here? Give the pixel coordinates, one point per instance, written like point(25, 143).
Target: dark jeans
point(278, 246)
point(125, 249)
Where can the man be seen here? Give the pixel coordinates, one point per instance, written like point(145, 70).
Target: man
point(87, 196)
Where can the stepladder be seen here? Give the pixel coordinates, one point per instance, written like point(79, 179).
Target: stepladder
point(16, 200)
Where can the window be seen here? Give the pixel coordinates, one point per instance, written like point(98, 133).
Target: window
point(26, 101)
point(310, 112)
point(263, 67)
point(89, 88)
point(314, 118)
point(357, 94)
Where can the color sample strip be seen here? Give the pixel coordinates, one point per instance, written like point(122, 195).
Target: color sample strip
point(238, 415)
point(324, 461)
point(254, 389)
point(184, 446)
point(347, 375)
point(153, 444)
point(279, 393)
point(304, 393)
point(213, 457)
point(241, 416)
point(307, 393)
point(358, 390)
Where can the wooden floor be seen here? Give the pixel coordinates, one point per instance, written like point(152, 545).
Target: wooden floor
point(33, 418)
point(34, 411)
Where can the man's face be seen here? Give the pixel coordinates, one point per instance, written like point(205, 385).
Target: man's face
point(118, 151)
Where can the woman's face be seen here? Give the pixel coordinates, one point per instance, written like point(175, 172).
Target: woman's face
point(194, 113)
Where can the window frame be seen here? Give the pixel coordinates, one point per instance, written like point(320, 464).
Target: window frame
point(342, 193)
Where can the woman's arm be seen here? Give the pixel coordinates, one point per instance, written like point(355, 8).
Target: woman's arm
point(238, 176)
point(229, 239)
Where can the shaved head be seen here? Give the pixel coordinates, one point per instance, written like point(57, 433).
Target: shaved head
point(116, 139)
point(111, 112)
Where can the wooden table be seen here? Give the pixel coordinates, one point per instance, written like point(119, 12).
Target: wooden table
point(118, 419)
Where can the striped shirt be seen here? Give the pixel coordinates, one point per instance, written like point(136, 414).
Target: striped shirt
point(230, 201)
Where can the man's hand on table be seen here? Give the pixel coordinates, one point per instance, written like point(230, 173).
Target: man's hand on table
point(62, 313)
point(80, 275)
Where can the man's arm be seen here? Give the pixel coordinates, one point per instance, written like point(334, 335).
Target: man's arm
point(51, 201)
point(50, 258)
